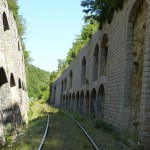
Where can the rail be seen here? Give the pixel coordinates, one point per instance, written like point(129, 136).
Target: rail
point(85, 132)
point(46, 129)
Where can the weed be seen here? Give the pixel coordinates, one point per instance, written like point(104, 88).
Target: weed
point(101, 124)
point(79, 118)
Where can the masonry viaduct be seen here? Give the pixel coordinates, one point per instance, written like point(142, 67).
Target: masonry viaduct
point(110, 77)
point(13, 91)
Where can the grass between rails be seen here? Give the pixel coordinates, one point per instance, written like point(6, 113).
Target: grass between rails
point(63, 133)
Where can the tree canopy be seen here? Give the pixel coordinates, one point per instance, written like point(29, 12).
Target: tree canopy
point(38, 82)
point(101, 10)
point(80, 41)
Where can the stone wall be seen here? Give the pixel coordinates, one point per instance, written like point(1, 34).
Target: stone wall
point(110, 77)
point(13, 91)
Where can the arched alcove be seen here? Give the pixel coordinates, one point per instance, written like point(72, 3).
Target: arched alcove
point(83, 71)
point(61, 94)
point(5, 99)
point(5, 22)
point(18, 46)
point(81, 102)
point(12, 81)
point(3, 78)
point(73, 101)
point(77, 102)
point(71, 76)
point(64, 99)
point(54, 96)
point(101, 101)
point(87, 101)
point(95, 63)
point(66, 105)
point(103, 55)
point(65, 84)
point(19, 83)
point(93, 103)
point(69, 101)
point(138, 29)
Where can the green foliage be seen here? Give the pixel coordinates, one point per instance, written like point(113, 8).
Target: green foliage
point(61, 64)
point(101, 10)
point(20, 21)
point(21, 26)
point(81, 40)
point(101, 124)
point(38, 83)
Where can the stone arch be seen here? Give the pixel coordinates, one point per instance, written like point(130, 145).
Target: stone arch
point(19, 83)
point(71, 77)
point(18, 46)
point(69, 101)
point(73, 101)
point(93, 103)
point(64, 99)
point(61, 94)
point(95, 63)
point(87, 101)
point(5, 22)
point(22, 85)
point(137, 37)
point(101, 101)
point(103, 55)
point(66, 104)
point(12, 81)
point(77, 101)
point(5, 101)
point(13, 89)
point(81, 102)
point(54, 96)
point(65, 84)
point(20, 91)
point(3, 77)
point(83, 71)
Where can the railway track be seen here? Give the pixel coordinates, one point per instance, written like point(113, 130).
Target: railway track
point(41, 146)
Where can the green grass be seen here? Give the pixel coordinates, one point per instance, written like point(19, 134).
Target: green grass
point(63, 133)
point(104, 135)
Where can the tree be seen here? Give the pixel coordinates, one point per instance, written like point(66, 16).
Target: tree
point(101, 10)
point(61, 64)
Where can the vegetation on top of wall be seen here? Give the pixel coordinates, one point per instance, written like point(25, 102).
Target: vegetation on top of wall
point(97, 13)
point(80, 41)
point(37, 79)
point(101, 10)
point(20, 21)
point(21, 26)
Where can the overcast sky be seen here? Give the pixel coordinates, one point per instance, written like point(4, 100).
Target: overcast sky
point(51, 29)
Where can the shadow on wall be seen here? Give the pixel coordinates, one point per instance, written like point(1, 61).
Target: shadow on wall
point(10, 122)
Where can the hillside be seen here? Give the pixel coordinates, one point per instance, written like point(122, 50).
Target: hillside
point(37, 82)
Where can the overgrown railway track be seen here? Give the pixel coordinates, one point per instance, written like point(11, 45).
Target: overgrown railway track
point(41, 146)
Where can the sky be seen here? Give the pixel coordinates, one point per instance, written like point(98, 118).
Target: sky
point(52, 26)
